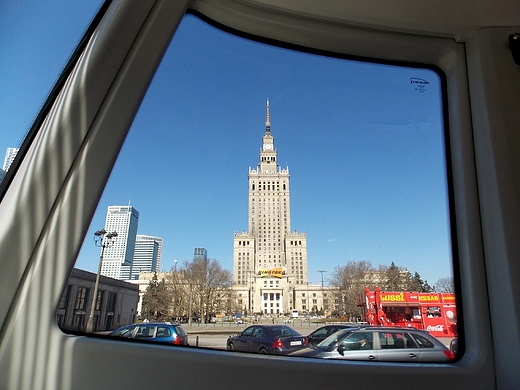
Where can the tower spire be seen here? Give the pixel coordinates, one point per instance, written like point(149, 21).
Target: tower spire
point(267, 118)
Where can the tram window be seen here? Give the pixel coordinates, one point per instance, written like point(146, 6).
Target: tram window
point(379, 152)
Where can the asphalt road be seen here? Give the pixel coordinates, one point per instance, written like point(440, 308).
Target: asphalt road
point(215, 335)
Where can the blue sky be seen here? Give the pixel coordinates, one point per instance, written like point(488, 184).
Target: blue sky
point(363, 145)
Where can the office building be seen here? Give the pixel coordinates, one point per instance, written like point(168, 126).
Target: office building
point(118, 257)
point(269, 260)
point(200, 253)
point(147, 256)
point(10, 154)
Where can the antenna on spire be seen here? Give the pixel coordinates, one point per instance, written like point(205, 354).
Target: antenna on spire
point(267, 118)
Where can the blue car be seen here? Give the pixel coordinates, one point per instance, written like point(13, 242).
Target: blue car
point(159, 332)
point(267, 339)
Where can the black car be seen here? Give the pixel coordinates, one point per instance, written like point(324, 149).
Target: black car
point(386, 344)
point(323, 332)
point(158, 332)
point(454, 346)
point(267, 339)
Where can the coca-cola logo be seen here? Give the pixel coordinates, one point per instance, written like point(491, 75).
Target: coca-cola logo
point(435, 328)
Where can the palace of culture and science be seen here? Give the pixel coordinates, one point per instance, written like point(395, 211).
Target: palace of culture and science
point(269, 260)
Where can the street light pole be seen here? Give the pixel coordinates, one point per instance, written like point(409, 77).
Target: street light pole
point(322, 271)
point(322, 293)
point(101, 239)
point(250, 295)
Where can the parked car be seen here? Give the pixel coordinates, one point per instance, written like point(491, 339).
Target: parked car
point(454, 346)
point(323, 332)
point(380, 344)
point(267, 339)
point(159, 332)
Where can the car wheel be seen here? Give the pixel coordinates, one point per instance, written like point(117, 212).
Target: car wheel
point(263, 351)
point(231, 347)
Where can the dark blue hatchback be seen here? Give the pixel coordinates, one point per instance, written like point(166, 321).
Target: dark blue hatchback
point(267, 339)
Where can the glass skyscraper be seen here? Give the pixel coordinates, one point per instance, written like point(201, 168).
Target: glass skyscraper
point(124, 221)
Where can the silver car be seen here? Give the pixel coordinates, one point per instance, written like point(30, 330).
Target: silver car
point(380, 344)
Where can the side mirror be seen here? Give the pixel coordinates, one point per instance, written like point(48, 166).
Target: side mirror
point(341, 349)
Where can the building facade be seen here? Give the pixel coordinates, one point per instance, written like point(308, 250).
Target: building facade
point(10, 154)
point(143, 281)
point(116, 304)
point(147, 256)
point(118, 257)
point(269, 260)
point(200, 253)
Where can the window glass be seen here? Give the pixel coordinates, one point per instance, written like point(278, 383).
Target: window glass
point(358, 341)
point(37, 40)
point(125, 332)
point(180, 331)
point(321, 333)
point(365, 199)
point(163, 331)
point(423, 342)
point(392, 340)
point(333, 339)
point(145, 331)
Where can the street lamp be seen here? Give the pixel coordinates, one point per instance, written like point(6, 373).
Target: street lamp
point(102, 239)
point(250, 295)
point(322, 293)
point(322, 271)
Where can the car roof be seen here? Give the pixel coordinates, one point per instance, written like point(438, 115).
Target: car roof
point(394, 328)
point(154, 323)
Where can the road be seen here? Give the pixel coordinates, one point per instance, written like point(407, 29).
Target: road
point(215, 335)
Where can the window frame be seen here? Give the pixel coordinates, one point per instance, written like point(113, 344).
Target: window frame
point(136, 35)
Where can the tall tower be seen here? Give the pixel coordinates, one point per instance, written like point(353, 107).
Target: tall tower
point(200, 253)
point(118, 257)
point(269, 260)
point(147, 256)
point(10, 154)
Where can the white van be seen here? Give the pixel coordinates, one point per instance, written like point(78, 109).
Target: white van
point(294, 313)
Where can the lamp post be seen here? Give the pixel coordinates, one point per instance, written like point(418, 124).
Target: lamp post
point(102, 239)
point(250, 295)
point(308, 299)
point(175, 289)
point(322, 293)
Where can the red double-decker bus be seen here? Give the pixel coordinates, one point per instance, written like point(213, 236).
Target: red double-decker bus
point(433, 312)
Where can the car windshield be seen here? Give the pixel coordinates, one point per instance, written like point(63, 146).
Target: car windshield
point(283, 331)
point(331, 341)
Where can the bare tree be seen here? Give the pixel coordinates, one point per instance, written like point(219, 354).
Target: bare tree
point(351, 279)
point(209, 284)
point(445, 285)
point(180, 294)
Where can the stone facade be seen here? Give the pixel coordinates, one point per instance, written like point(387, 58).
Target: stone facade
point(269, 260)
point(116, 305)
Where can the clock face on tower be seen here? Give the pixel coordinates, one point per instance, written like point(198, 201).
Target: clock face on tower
point(268, 146)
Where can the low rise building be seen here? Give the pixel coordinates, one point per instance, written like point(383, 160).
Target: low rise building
point(116, 303)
